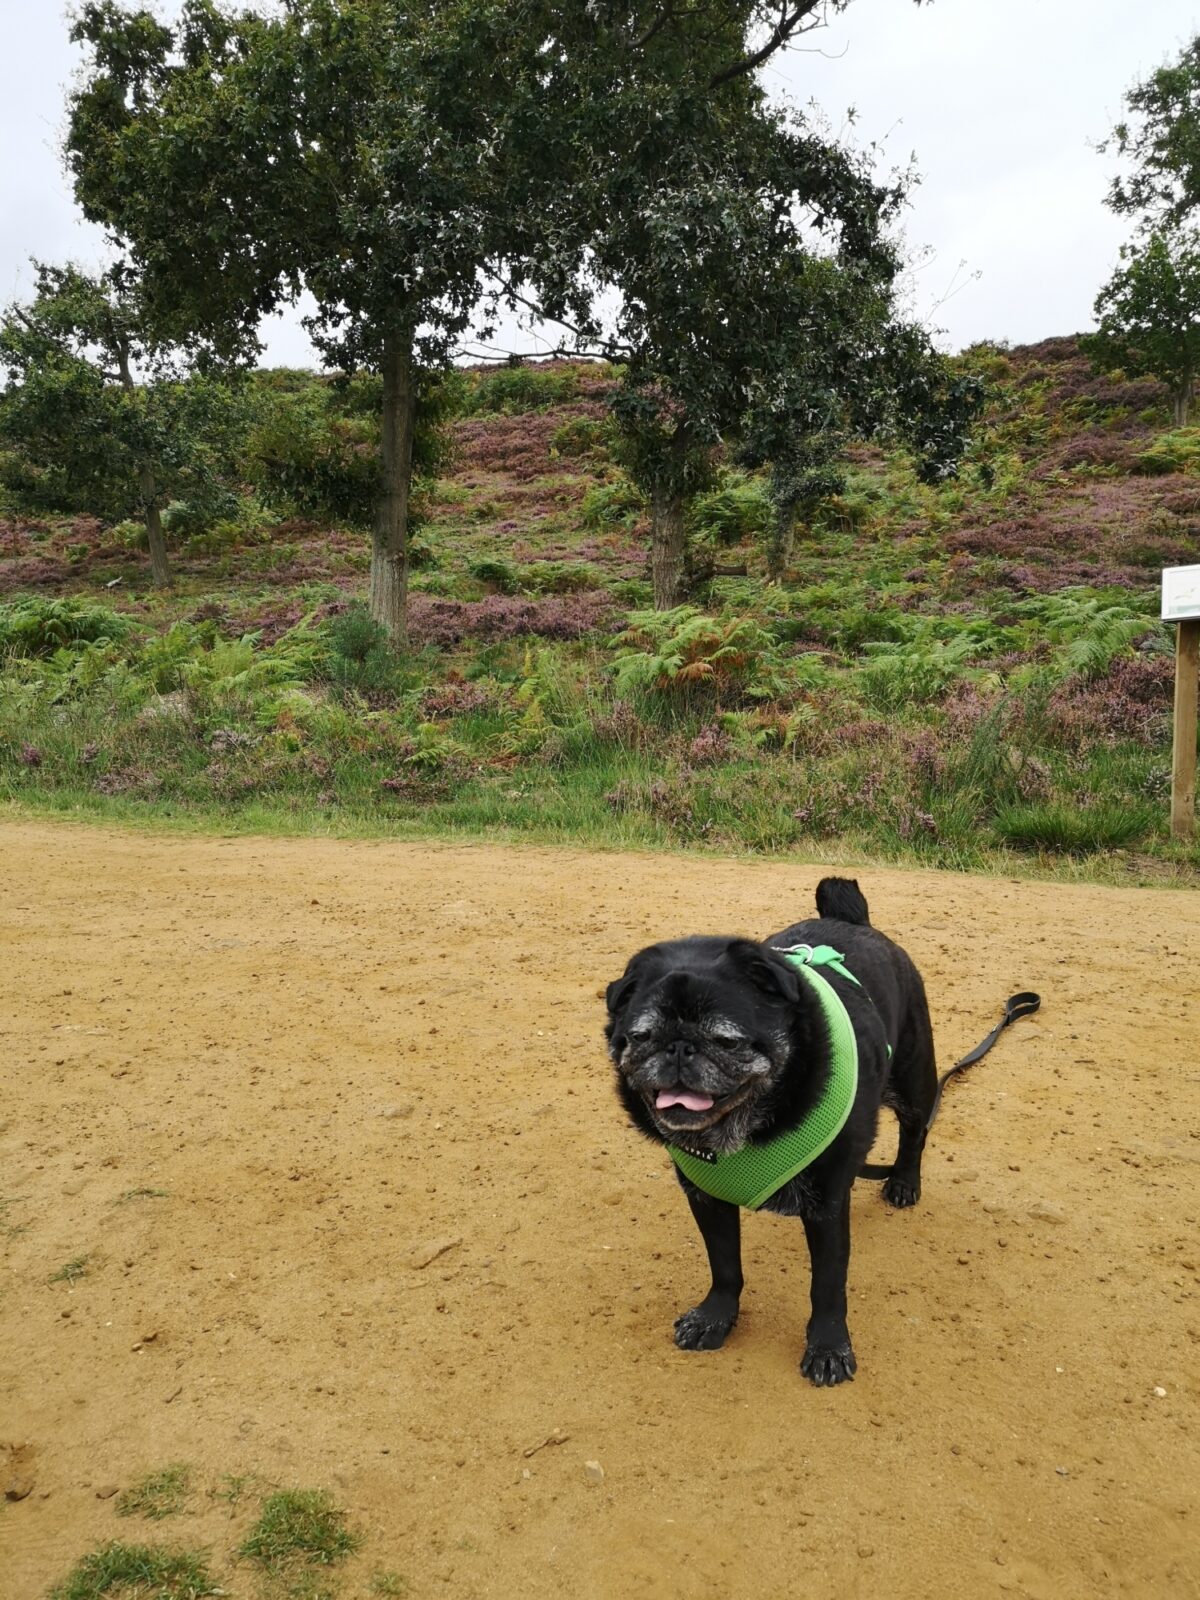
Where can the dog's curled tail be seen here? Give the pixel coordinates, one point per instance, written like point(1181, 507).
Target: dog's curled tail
point(843, 899)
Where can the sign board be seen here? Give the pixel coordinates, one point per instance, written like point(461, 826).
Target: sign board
point(1180, 594)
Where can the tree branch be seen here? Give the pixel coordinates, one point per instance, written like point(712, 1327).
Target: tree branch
point(610, 345)
point(791, 22)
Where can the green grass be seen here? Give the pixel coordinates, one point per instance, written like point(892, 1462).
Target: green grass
point(390, 1585)
point(71, 1271)
point(137, 1572)
point(1107, 825)
point(299, 1526)
point(160, 1494)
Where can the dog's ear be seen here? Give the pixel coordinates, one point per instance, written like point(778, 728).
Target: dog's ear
point(618, 992)
point(765, 970)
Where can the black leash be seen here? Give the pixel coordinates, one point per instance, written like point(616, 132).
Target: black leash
point(1017, 1005)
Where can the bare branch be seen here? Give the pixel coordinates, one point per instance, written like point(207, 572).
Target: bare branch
point(793, 21)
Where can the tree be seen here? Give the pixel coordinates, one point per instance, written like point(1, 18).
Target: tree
point(386, 156)
point(342, 145)
point(120, 414)
point(1162, 139)
point(1149, 314)
point(757, 303)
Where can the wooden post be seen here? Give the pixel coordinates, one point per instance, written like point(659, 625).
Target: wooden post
point(1183, 762)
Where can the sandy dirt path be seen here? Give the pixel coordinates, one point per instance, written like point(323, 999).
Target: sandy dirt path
point(335, 1057)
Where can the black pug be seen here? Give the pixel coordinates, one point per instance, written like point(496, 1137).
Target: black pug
point(724, 1046)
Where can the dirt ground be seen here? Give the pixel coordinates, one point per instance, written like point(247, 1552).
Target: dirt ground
point(339, 1060)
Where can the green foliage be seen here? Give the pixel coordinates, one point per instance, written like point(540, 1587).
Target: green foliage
point(361, 658)
point(559, 577)
point(1176, 451)
point(582, 437)
point(1071, 830)
point(71, 1271)
point(511, 390)
point(106, 407)
point(737, 509)
point(1161, 142)
point(137, 1572)
point(684, 649)
point(299, 1525)
point(499, 575)
point(1089, 631)
point(1149, 314)
point(160, 1494)
point(913, 672)
point(618, 503)
point(38, 627)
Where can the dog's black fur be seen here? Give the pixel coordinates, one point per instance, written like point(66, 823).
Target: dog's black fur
point(733, 1020)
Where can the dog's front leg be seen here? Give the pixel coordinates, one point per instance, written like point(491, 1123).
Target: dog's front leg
point(828, 1357)
point(706, 1326)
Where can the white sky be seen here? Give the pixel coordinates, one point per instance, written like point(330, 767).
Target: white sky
point(1000, 101)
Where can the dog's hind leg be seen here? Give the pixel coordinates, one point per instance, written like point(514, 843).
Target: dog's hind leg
point(911, 1092)
point(708, 1325)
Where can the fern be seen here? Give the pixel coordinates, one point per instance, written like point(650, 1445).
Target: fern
point(682, 648)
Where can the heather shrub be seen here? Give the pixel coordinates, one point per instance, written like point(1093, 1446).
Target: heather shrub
point(449, 622)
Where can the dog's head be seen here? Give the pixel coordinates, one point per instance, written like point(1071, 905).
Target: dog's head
point(700, 1032)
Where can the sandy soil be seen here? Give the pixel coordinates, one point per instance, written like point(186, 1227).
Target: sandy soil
point(335, 1057)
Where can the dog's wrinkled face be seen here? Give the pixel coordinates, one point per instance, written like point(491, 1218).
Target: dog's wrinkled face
point(699, 1032)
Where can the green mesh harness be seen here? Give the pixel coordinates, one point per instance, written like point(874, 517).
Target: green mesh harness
point(750, 1176)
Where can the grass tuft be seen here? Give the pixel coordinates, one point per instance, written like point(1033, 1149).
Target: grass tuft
point(71, 1271)
point(299, 1525)
point(137, 1572)
point(159, 1494)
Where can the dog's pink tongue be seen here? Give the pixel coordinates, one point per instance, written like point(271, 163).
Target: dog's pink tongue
point(687, 1098)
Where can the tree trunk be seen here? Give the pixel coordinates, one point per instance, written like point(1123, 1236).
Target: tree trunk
point(1183, 401)
point(160, 569)
point(389, 543)
point(780, 541)
point(668, 548)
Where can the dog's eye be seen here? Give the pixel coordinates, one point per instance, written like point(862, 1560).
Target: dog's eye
point(638, 1035)
point(728, 1041)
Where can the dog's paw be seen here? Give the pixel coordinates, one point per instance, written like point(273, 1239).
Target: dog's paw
point(826, 1365)
point(900, 1192)
point(698, 1329)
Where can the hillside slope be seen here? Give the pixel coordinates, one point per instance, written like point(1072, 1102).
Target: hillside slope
point(955, 672)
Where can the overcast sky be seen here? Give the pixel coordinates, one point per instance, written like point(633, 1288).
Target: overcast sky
point(1001, 102)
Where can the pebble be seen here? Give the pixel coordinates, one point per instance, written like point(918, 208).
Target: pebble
point(405, 1110)
point(593, 1472)
point(1047, 1211)
point(18, 1488)
point(1160, 1391)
